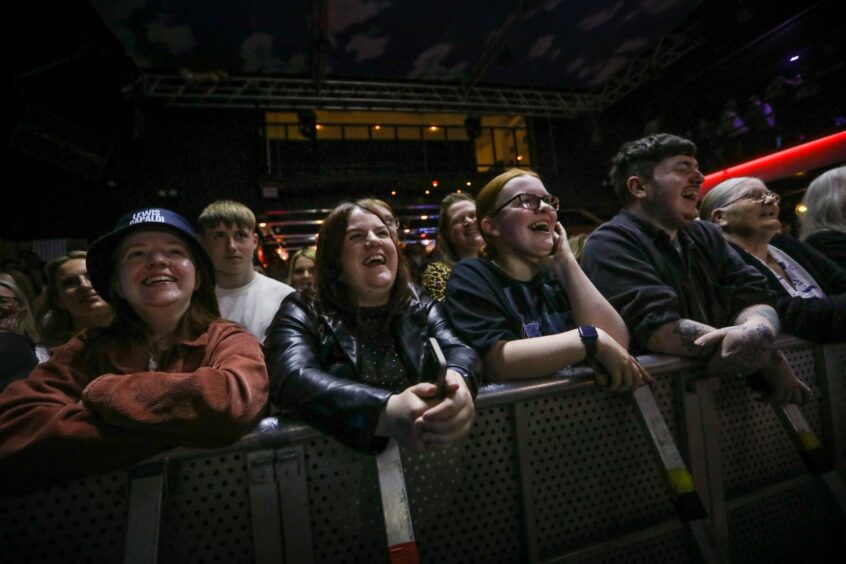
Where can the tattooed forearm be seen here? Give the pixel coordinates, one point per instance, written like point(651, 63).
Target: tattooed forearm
point(677, 338)
point(765, 312)
point(687, 332)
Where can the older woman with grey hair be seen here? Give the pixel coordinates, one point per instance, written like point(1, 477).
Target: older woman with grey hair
point(824, 222)
point(810, 288)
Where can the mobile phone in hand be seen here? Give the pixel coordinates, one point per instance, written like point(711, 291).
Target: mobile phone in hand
point(440, 366)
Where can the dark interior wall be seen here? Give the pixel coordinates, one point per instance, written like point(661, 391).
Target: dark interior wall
point(202, 155)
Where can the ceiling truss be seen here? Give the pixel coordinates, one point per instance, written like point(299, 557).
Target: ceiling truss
point(276, 93)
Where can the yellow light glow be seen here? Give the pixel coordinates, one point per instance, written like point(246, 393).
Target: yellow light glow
point(393, 192)
point(424, 217)
point(262, 225)
point(377, 127)
point(318, 126)
point(801, 208)
point(458, 191)
point(428, 192)
point(469, 183)
point(433, 128)
point(406, 230)
point(434, 184)
point(519, 157)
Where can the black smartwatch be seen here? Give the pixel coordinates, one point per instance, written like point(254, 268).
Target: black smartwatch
point(589, 338)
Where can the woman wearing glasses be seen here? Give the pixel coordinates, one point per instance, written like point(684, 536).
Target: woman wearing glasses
point(458, 238)
point(525, 304)
point(810, 288)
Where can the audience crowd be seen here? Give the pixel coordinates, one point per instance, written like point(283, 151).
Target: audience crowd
point(161, 336)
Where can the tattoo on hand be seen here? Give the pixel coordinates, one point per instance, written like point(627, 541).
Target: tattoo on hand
point(688, 331)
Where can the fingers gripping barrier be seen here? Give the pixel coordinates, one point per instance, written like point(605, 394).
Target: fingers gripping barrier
point(554, 471)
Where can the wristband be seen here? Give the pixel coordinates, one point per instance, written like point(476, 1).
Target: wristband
point(589, 337)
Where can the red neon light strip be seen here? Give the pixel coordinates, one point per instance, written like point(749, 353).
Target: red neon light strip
point(814, 154)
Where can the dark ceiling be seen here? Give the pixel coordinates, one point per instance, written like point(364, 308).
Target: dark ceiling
point(564, 45)
point(78, 68)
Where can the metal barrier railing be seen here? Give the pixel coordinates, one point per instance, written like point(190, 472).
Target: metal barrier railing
point(555, 470)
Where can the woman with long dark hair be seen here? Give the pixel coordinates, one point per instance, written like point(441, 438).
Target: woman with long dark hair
point(352, 361)
point(166, 372)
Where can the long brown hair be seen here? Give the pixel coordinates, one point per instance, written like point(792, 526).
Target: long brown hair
point(128, 329)
point(447, 247)
point(56, 323)
point(333, 293)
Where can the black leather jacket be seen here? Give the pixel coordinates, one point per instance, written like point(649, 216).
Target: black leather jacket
point(314, 364)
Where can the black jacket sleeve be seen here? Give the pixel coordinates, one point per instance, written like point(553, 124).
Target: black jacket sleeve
point(459, 356)
point(343, 408)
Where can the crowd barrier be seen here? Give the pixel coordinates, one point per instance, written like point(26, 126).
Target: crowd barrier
point(555, 470)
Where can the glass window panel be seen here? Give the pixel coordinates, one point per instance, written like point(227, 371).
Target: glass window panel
point(383, 132)
point(294, 133)
point(407, 133)
point(484, 150)
point(434, 133)
point(523, 155)
point(276, 132)
point(457, 134)
point(329, 132)
point(356, 132)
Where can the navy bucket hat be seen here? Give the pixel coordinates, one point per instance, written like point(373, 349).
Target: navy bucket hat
point(101, 251)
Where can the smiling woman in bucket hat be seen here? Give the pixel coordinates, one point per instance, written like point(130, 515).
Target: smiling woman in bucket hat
point(167, 372)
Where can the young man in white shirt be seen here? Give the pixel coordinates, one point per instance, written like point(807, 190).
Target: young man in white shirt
point(244, 296)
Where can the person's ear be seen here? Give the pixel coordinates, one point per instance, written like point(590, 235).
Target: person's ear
point(636, 186)
point(718, 217)
point(488, 227)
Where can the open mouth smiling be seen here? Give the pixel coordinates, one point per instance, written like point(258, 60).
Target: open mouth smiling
point(375, 260)
point(163, 278)
point(690, 194)
point(540, 226)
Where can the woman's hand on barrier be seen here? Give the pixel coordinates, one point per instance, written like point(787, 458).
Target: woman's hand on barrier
point(614, 368)
point(450, 419)
point(402, 411)
point(784, 386)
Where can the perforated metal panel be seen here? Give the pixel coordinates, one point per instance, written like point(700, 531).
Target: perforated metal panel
point(84, 521)
point(593, 476)
point(207, 512)
point(671, 548)
point(798, 525)
point(346, 511)
point(465, 500)
point(756, 450)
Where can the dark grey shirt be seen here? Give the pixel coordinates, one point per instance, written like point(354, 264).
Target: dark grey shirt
point(637, 268)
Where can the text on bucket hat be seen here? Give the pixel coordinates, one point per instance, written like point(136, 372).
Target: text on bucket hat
point(101, 251)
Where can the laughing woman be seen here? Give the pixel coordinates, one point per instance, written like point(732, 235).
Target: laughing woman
point(166, 372)
point(525, 304)
point(810, 288)
point(351, 360)
point(458, 238)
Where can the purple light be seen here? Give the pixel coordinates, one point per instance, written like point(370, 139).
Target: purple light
point(794, 58)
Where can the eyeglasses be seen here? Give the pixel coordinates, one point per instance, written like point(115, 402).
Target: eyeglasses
point(531, 202)
point(757, 197)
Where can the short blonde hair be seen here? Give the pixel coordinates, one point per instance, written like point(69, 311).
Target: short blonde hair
point(227, 212)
